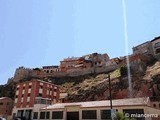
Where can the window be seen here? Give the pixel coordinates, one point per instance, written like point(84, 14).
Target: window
point(44, 115)
point(57, 115)
point(16, 96)
point(106, 114)
point(29, 94)
point(30, 86)
point(22, 95)
point(55, 90)
point(37, 101)
point(41, 86)
point(40, 95)
point(23, 87)
point(1, 103)
point(89, 114)
point(157, 50)
point(157, 45)
point(43, 101)
point(154, 105)
point(35, 115)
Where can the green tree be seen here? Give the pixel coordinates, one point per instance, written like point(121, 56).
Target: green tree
point(123, 70)
point(121, 116)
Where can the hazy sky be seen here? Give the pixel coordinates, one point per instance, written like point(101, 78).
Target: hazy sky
point(34, 33)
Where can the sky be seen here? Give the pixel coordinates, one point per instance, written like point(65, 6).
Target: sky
point(35, 33)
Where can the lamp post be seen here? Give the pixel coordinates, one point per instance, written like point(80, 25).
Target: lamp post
point(110, 91)
point(110, 98)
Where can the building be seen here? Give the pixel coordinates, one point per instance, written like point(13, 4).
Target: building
point(98, 60)
point(156, 47)
point(50, 69)
point(6, 106)
point(71, 63)
point(32, 95)
point(112, 62)
point(151, 48)
point(99, 110)
point(144, 48)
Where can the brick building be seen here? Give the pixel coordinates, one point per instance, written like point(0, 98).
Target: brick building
point(6, 106)
point(32, 95)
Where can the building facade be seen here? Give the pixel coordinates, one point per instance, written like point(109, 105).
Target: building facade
point(99, 110)
point(149, 48)
point(6, 106)
point(32, 95)
point(71, 63)
point(156, 47)
point(144, 48)
point(50, 69)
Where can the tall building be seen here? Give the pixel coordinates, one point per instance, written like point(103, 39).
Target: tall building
point(32, 95)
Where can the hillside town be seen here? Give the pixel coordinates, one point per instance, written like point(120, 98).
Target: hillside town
point(38, 93)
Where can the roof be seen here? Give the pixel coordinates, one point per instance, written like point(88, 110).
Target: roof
point(155, 38)
point(104, 103)
point(141, 44)
point(2, 98)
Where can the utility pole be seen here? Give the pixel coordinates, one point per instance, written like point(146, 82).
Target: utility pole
point(110, 91)
point(113, 115)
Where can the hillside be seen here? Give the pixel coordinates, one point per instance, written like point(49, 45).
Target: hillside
point(95, 87)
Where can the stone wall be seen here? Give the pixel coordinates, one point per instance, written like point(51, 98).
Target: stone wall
point(22, 73)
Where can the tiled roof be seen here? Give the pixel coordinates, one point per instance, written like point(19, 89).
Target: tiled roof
point(118, 102)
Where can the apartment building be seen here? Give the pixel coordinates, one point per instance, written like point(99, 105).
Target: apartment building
point(100, 110)
point(149, 48)
point(144, 48)
point(6, 106)
point(32, 95)
point(71, 63)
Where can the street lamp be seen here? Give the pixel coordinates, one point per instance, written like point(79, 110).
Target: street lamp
point(110, 98)
point(110, 91)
